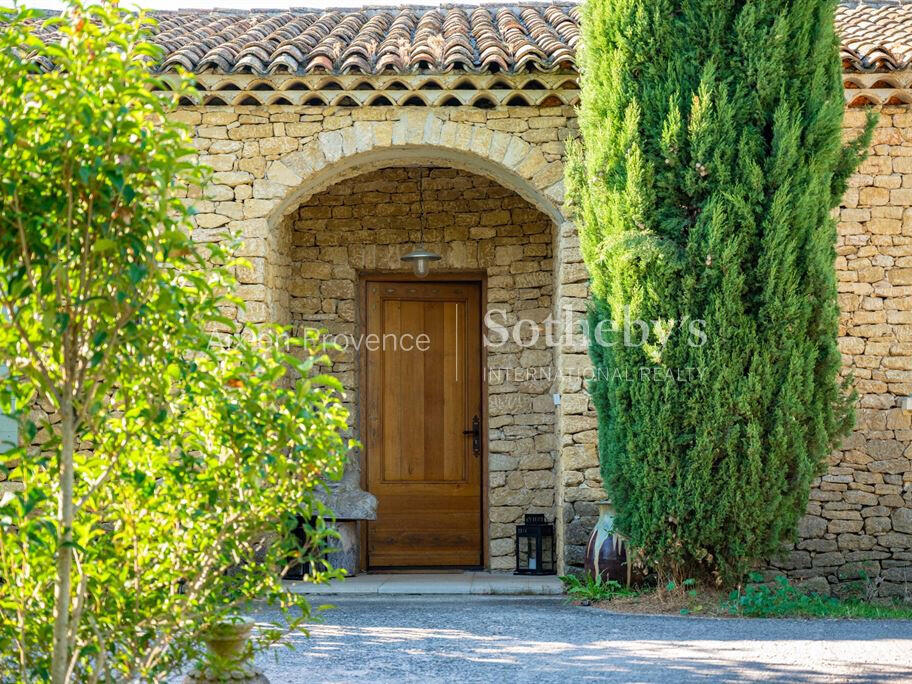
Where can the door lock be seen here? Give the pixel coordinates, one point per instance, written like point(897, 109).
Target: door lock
point(476, 435)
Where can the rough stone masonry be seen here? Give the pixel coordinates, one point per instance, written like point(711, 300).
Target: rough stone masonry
point(858, 525)
point(859, 518)
point(319, 193)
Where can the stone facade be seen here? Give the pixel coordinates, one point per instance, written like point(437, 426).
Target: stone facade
point(290, 166)
point(275, 164)
point(859, 520)
point(298, 181)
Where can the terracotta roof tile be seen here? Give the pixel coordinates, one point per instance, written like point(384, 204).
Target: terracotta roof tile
point(536, 37)
point(876, 36)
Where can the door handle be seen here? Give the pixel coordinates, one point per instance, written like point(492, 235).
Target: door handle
point(476, 435)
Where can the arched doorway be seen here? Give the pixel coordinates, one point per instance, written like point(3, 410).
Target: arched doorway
point(440, 503)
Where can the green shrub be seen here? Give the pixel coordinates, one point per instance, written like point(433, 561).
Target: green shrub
point(159, 461)
point(710, 163)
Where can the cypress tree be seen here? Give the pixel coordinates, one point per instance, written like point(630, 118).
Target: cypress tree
point(710, 162)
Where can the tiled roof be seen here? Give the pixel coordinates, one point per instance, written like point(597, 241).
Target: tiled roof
point(431, 39)
point(875, 36)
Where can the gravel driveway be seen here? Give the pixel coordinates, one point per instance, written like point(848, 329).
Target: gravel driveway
point(482, 639)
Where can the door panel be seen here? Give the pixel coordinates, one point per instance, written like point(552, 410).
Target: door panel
point(423, 390)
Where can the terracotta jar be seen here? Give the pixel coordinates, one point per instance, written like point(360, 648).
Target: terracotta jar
point(606, 552)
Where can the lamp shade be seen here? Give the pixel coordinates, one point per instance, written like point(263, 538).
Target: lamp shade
point(420, 259)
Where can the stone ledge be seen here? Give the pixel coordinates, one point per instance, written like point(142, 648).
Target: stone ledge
point(457, 583)
point(351, 504)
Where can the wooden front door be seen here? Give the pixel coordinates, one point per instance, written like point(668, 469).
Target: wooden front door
point(424, 465)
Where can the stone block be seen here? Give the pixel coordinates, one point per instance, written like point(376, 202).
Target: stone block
point(856, 542)
point(877, 525)
point(834, 558)
point(902, 574)
point(902, 520)
point(536, 461)
point(810, 526)
point(814, 585)
point(843, 526)
point(502, 462)
point(895, 540)
point(793, 560)
point(893, 465)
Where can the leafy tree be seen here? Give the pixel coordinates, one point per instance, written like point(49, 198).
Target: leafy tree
point(162, 452)
point(710, 164)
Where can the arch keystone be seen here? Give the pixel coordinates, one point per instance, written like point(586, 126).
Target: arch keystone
point(433, 125)
point(415, 122)
point(383, 133)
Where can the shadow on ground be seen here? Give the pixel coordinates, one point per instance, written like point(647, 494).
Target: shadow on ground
point(546, 640)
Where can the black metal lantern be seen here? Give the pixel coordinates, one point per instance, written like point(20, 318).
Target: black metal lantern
point(535, 546)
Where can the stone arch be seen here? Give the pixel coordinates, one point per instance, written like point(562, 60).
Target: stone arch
point(426, 139)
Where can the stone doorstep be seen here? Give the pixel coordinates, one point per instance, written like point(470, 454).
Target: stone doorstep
point(458, 583)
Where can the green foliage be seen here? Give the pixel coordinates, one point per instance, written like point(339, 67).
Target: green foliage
point(762, 601)
point(687, 585)
point(167, 457)
point(784, 600)
point(589, 588)
point(710, 163)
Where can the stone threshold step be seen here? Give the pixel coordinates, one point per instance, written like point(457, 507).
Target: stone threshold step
point(460, 583)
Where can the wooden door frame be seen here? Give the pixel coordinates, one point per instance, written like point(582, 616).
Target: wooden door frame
point(478, 277)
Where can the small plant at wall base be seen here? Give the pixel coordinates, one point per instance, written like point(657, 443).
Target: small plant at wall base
point(587, 588)
point(710, 163)
point(778, 599)
point(158, 464)
point(784, 600)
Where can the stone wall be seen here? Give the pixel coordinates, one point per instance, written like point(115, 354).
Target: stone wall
point(859, 520)
point(269, 161)
point(365, 224)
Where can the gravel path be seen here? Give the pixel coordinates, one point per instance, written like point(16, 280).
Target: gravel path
point(481, 639)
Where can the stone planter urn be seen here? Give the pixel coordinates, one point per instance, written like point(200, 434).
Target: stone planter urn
point(606, 552)
point(227, 657)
